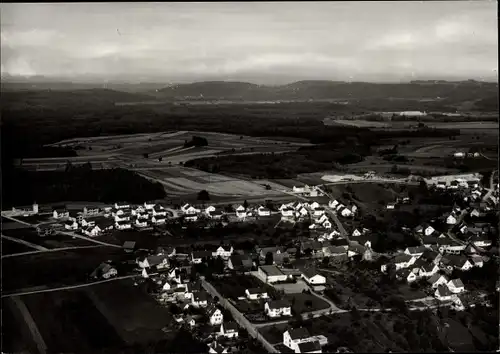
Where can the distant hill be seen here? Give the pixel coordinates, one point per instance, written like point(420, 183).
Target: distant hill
point(316, 89)
point(75, 98)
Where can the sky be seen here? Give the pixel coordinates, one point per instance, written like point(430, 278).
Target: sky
point(260, 42)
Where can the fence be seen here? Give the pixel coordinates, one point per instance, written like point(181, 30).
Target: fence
point(239, 317)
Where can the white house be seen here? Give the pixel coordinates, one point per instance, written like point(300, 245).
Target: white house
point(209, 209)
point(346, 212)
point(256, 294)
point(318, 211)
point(271, 274)
point(263, 211)
point(123, 225)
point(437, 279)
point(158, 220)
point(138, 210)
point(312, 277)
point(278, 308)
point(302, 212)
point(333, 203)
point(442, 293)
point(199, 299)
point(456, 286)
point(120, 215)
point(427, 230)
point(216, 348)
point(197, 256)
point(87, 222)
point(428, 270)
point(189, 209)
point(326, 224)
point(481, 241)
point(60, 213)
point(314, 205)
point(91, 231)
point(477, 261)
point(149, 205)
point(407, 275)
point(140, 223)
point(287, 212)
point(415, 251)
point(451, 219)
point(191, 217)
point(300, 341)
point(71, 225)
point(122, 205)
point(223, 251)
point(356, 232)
point(241, 212)
point(158, 210)
point(229, 330)
point(215, 315)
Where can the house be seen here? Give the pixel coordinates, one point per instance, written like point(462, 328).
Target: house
point(333, 203)
point(271, 274)
point(451, 219)
point(191, 217)
point(198, 256)
point(460, 263)
point(229, 330)
point(477, 261)
point(239, 262)
point(216, 214)
point(199, 299)
point(415, 251)
point(190, 321)
point(442, 293)
point(215, 315)
point(86, 221)
point(425, 229)
point(192, 288)
point(287, 212)
point(428, 270)
point(158, 219)
point(71, 225)
point(278, 308)
point(91, 231)
point(189, 209)
point(340, 242)
point(456, 286)
point(140, 223)
point(296, 339)
point(158, 261)
point(312, 277)
point(158, 210)
point(121, 215)
point(431, 256)
point(481, 241)
point(138, 210)
point(406, 274)
point(44, 230)
point(356, 233)
point(149, 205)
point(263, 211)
point(129, 246)
point(91, 211)
point(256, 294)
point(105, 271)
point(400, 261)
point(345, 212)
point(122, 205)
point(302, 212)
point(334, 251)
point(241, 212)
point(318, 211)
point(357, 249)
point(437, 279)
point(169, 251)
point(390, 206)
point(123, 225)
point(216, 348)
point(462, 302)
point(60, 212)
point(209, 209)
point(105, 224)
point(223, 252)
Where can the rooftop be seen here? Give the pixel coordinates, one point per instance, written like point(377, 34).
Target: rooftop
point(271, 270)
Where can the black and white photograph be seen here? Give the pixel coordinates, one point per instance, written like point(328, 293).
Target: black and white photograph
point(249, 177)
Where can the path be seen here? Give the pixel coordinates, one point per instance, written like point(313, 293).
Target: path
point(5, 215)
point(48, 250)
point(69, 287)
point(33, 328)
point(25, 243)
point(72, 234)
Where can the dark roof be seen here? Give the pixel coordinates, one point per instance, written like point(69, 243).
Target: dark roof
point(336, 249)
point(194, 286)
point(418, 249)
point(155, 260)
point(200, 296)
point(230, 326)
point(436, 277)
point(309, 272)
point(402, 258)
point(299, 333)
point(279, 304)
point(129, 244)
point(429, 255)
point(271, 270)
point(443, 290)
point(256, 291)
point(339, 242)
point(428, 267)
point(457, 283)
point(124, 222)
point(307, 347)
point(212, 309)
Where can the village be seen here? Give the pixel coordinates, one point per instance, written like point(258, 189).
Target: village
point(218, 292)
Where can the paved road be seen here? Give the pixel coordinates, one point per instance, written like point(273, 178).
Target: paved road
point(72, 234)
point(48, 250)
point(69, 287)
point(25, 243)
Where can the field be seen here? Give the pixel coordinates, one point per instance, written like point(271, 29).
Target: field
point(55, 268)
point(135, 315)
point(11, 247)
point(302, 303)
point(52, 241)
point(235, 286)
point(179, 181)
point(74, 322)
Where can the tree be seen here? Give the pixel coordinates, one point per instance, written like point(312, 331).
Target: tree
point(269, 260)
point(160, 158)
point(203, 196)
point(145, 155)
point(245, 204)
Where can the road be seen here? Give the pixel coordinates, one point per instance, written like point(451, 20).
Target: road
point(48, 250)
point(25, 243)
point(378, 180)
point(72, 234)
point(491, 189)
point(69, 287)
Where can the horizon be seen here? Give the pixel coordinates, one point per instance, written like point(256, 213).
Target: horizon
point(262, 43)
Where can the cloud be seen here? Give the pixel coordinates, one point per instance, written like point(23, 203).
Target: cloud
point(314, 39)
